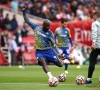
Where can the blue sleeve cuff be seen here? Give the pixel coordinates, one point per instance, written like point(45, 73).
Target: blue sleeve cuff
point(71, 42)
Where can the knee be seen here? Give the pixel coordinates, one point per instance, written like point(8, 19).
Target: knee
point(61, 65)
point(41, 61)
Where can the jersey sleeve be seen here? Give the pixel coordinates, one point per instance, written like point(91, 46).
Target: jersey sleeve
point(52, 41)
point(70, 38)
point(69, 34)
point(94, 31)
point(55, 36)
point(53, 45)
point(32, 25)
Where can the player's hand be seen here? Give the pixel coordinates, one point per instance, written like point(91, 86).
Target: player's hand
point(61, 57)
point(93, 45)
point(72, 48)
point(24, 8)
point(57, 44)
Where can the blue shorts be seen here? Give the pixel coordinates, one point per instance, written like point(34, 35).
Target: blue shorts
point(48, 55)
point(65, 51)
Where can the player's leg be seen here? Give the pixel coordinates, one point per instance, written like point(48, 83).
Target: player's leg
point(59, 63)
point(66, 54)
point(61, 51)
point(52, 57)
point(42, 61)
point(92, 62)
point(45, 67)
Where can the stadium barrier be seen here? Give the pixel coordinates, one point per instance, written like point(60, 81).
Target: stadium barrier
point(5, 56)
point(80, 31)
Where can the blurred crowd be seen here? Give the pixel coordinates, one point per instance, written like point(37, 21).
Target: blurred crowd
point(11, 36)
point(56, 9)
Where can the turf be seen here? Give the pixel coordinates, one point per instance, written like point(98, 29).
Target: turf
point(33, 78)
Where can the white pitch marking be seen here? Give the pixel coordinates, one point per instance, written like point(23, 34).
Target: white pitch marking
point(36, 83)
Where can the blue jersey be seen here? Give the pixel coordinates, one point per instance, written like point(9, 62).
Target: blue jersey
point(62, 35)
point(43, 40)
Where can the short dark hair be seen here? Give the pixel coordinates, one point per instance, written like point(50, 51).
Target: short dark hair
point(63, 20)
point(97, 13)
point(46, 21)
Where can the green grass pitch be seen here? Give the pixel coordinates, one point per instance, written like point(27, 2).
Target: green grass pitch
point(33, 78)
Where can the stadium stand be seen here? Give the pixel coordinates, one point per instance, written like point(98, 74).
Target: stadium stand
point(29, 57)
point(78, 12)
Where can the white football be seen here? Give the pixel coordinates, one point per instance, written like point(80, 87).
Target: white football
point(80, 80)
point(99, 79)
point(62, 77)
point(53, 82)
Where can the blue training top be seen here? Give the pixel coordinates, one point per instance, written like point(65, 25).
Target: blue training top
point(63, 37)
point(43, 40)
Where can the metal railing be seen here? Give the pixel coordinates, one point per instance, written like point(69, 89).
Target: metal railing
point(7, 54)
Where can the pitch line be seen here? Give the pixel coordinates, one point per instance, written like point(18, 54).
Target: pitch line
point(39, 83)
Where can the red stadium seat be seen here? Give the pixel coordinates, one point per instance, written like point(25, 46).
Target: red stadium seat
point(29, 57)
point(29, 39)
point(1, 30)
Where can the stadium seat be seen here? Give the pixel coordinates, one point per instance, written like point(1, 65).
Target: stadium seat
point(29, 39)
point(29, 57)
point(1, 30)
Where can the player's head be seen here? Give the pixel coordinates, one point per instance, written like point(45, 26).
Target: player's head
point(5, 32)
point(96, 15)
point(64, 23)
point(46, 25)
point(13, 37)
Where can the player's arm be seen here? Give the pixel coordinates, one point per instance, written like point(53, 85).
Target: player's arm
point(70, 38)
point(57, 52)
point(32, 25)
point(55, 36)
point(94, 35)
point(70, 57)
point(53, 45)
